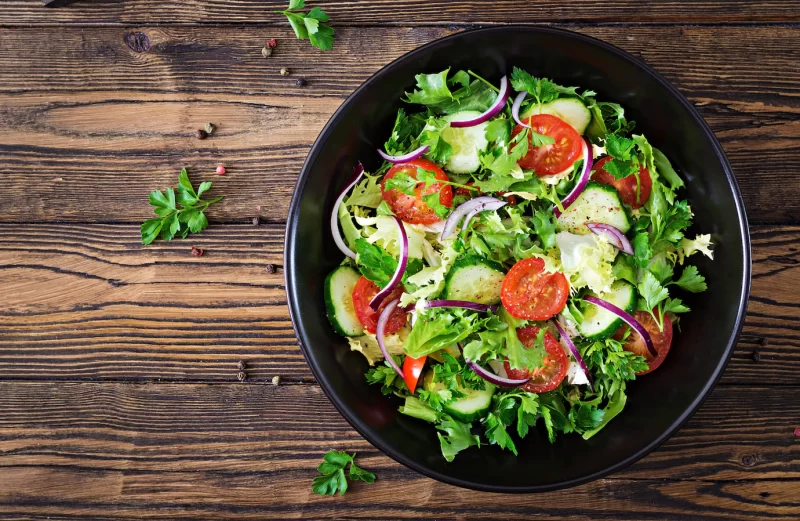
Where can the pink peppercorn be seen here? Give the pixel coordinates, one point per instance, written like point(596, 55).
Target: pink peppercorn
point(220, 170)
point(797, 432)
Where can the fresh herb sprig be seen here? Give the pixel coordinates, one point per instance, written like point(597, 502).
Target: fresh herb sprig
point(333, 478)
point(179, 214)
point(310, 25)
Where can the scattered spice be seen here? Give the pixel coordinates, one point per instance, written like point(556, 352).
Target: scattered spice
point(301, 82)
point(271, 269)
point(256, 221)
point(241, 365)
point(756, 356)
point(201, 134)
point(276, 380)
point(197, 252)
point(797, 432)
point(266, 52)
point(763, 341)
point(221, 170)
point(271, 43)
point(210, 128)
point(284, 71)
point(242, 376)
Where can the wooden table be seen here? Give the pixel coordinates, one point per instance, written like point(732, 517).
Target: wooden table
point(118, 362)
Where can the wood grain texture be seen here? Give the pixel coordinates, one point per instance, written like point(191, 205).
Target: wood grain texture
point(73, 123)
point(250, 451)
point(18, 12)
point(89, 301)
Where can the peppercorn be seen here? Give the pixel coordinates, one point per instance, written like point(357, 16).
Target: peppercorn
point(271, 269)
point(201, 134)
point(210, 128)
point(256, 221)
point(763, 341)
point(797, 432)
point(276, 380)
point(284, 71)
point(271, 44)
point(756, 356)
point(301, 82)
point(241, 365)
point(197, 252)
point(266, 52)
point(221, 170)
point(242, 376)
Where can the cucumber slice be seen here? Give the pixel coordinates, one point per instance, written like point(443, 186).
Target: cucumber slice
point(598, 203)
point(466, 143)
point(468, 408)
point(339, 286)
point(599, 323)
point(571, 110)
point(474, 279)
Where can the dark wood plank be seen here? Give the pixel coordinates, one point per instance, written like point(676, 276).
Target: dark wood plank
point(103, 451)
point(89, 301)
point(79, 109)
point(398, 12)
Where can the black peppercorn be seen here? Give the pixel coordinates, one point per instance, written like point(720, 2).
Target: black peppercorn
point(201, 134)
point(271, 268)
point(763, 341)
point(301, 82)
point(241, 365)
point(756, 356)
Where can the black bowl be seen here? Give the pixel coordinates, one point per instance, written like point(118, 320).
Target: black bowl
point(658, 403)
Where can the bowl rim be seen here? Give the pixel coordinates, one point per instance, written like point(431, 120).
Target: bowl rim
point(293, 297)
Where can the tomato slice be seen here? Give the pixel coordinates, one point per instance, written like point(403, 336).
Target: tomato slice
point(555, 158)
point(411, 208)
point(554, 367)
point(412, 368)
point(662, 340)
point(627, 185)
point(363, 292)
point(529, 292)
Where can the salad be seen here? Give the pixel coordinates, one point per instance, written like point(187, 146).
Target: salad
point(514, 262)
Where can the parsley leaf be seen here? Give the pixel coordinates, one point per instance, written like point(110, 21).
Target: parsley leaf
point(440, 150)
point(333, 478)
point(499, 130)
point(431, 89)
point(544, 224)
point(401, 181)
point(651, 290)
point(311, 25)
point(189, 218)
point(542, 89)
point(642, 252)
point(386, 376)
point(415, 408)
point(434, 203)
point(691, 280)
point(375, 263)
point(457, 438)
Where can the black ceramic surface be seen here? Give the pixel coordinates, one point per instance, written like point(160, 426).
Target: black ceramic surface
point(658, 403)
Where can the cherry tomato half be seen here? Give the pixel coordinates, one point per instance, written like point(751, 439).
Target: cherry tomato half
point(555, 158)
point(627, 185)
point(529, 292)
point(662, 340)
point(363, 292)
point(554, 367)
point(412, 368)
point(411, 208)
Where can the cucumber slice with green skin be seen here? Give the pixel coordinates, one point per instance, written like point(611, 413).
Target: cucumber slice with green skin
point(466, 143)
point(339, 286)
point(598, 203)
point(474, 406)
point(599, 323)
point(474, 279)
point(571, 110)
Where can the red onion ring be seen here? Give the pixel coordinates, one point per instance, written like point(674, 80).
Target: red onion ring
point(628, 318)
point(379, 332)
point(613, 235)
point(410, 156)
point(574, 350)
point(580, 185)
point(477, 205)
point(401, 267)
point(485, 207)
point(493, 378)
point(466, 304)
point(337, 236)
point(516, 106)
point(496, 107)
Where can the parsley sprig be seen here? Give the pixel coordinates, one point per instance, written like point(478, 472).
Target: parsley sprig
point(333, 478)
point(310, 25)
point(179, 214)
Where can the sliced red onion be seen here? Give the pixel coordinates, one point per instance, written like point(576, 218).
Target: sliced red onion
point(613, 235)
point(493, 378)
point(470, 207)
point(628, 318)
point(516, 106)
point(466, 304)
point(414, 154)
point(337, 235)
point(379, 332)
point(401, 267)
point(496, 107)
point(580, 184)
point(575, 353)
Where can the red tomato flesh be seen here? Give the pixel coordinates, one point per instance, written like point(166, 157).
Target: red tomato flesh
point(662, 340)
point(555, 158)
point(531, 293)
point(554, 367)
point(411, 208)
point(412, 368)
point(363, 292)
point(627, 185)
